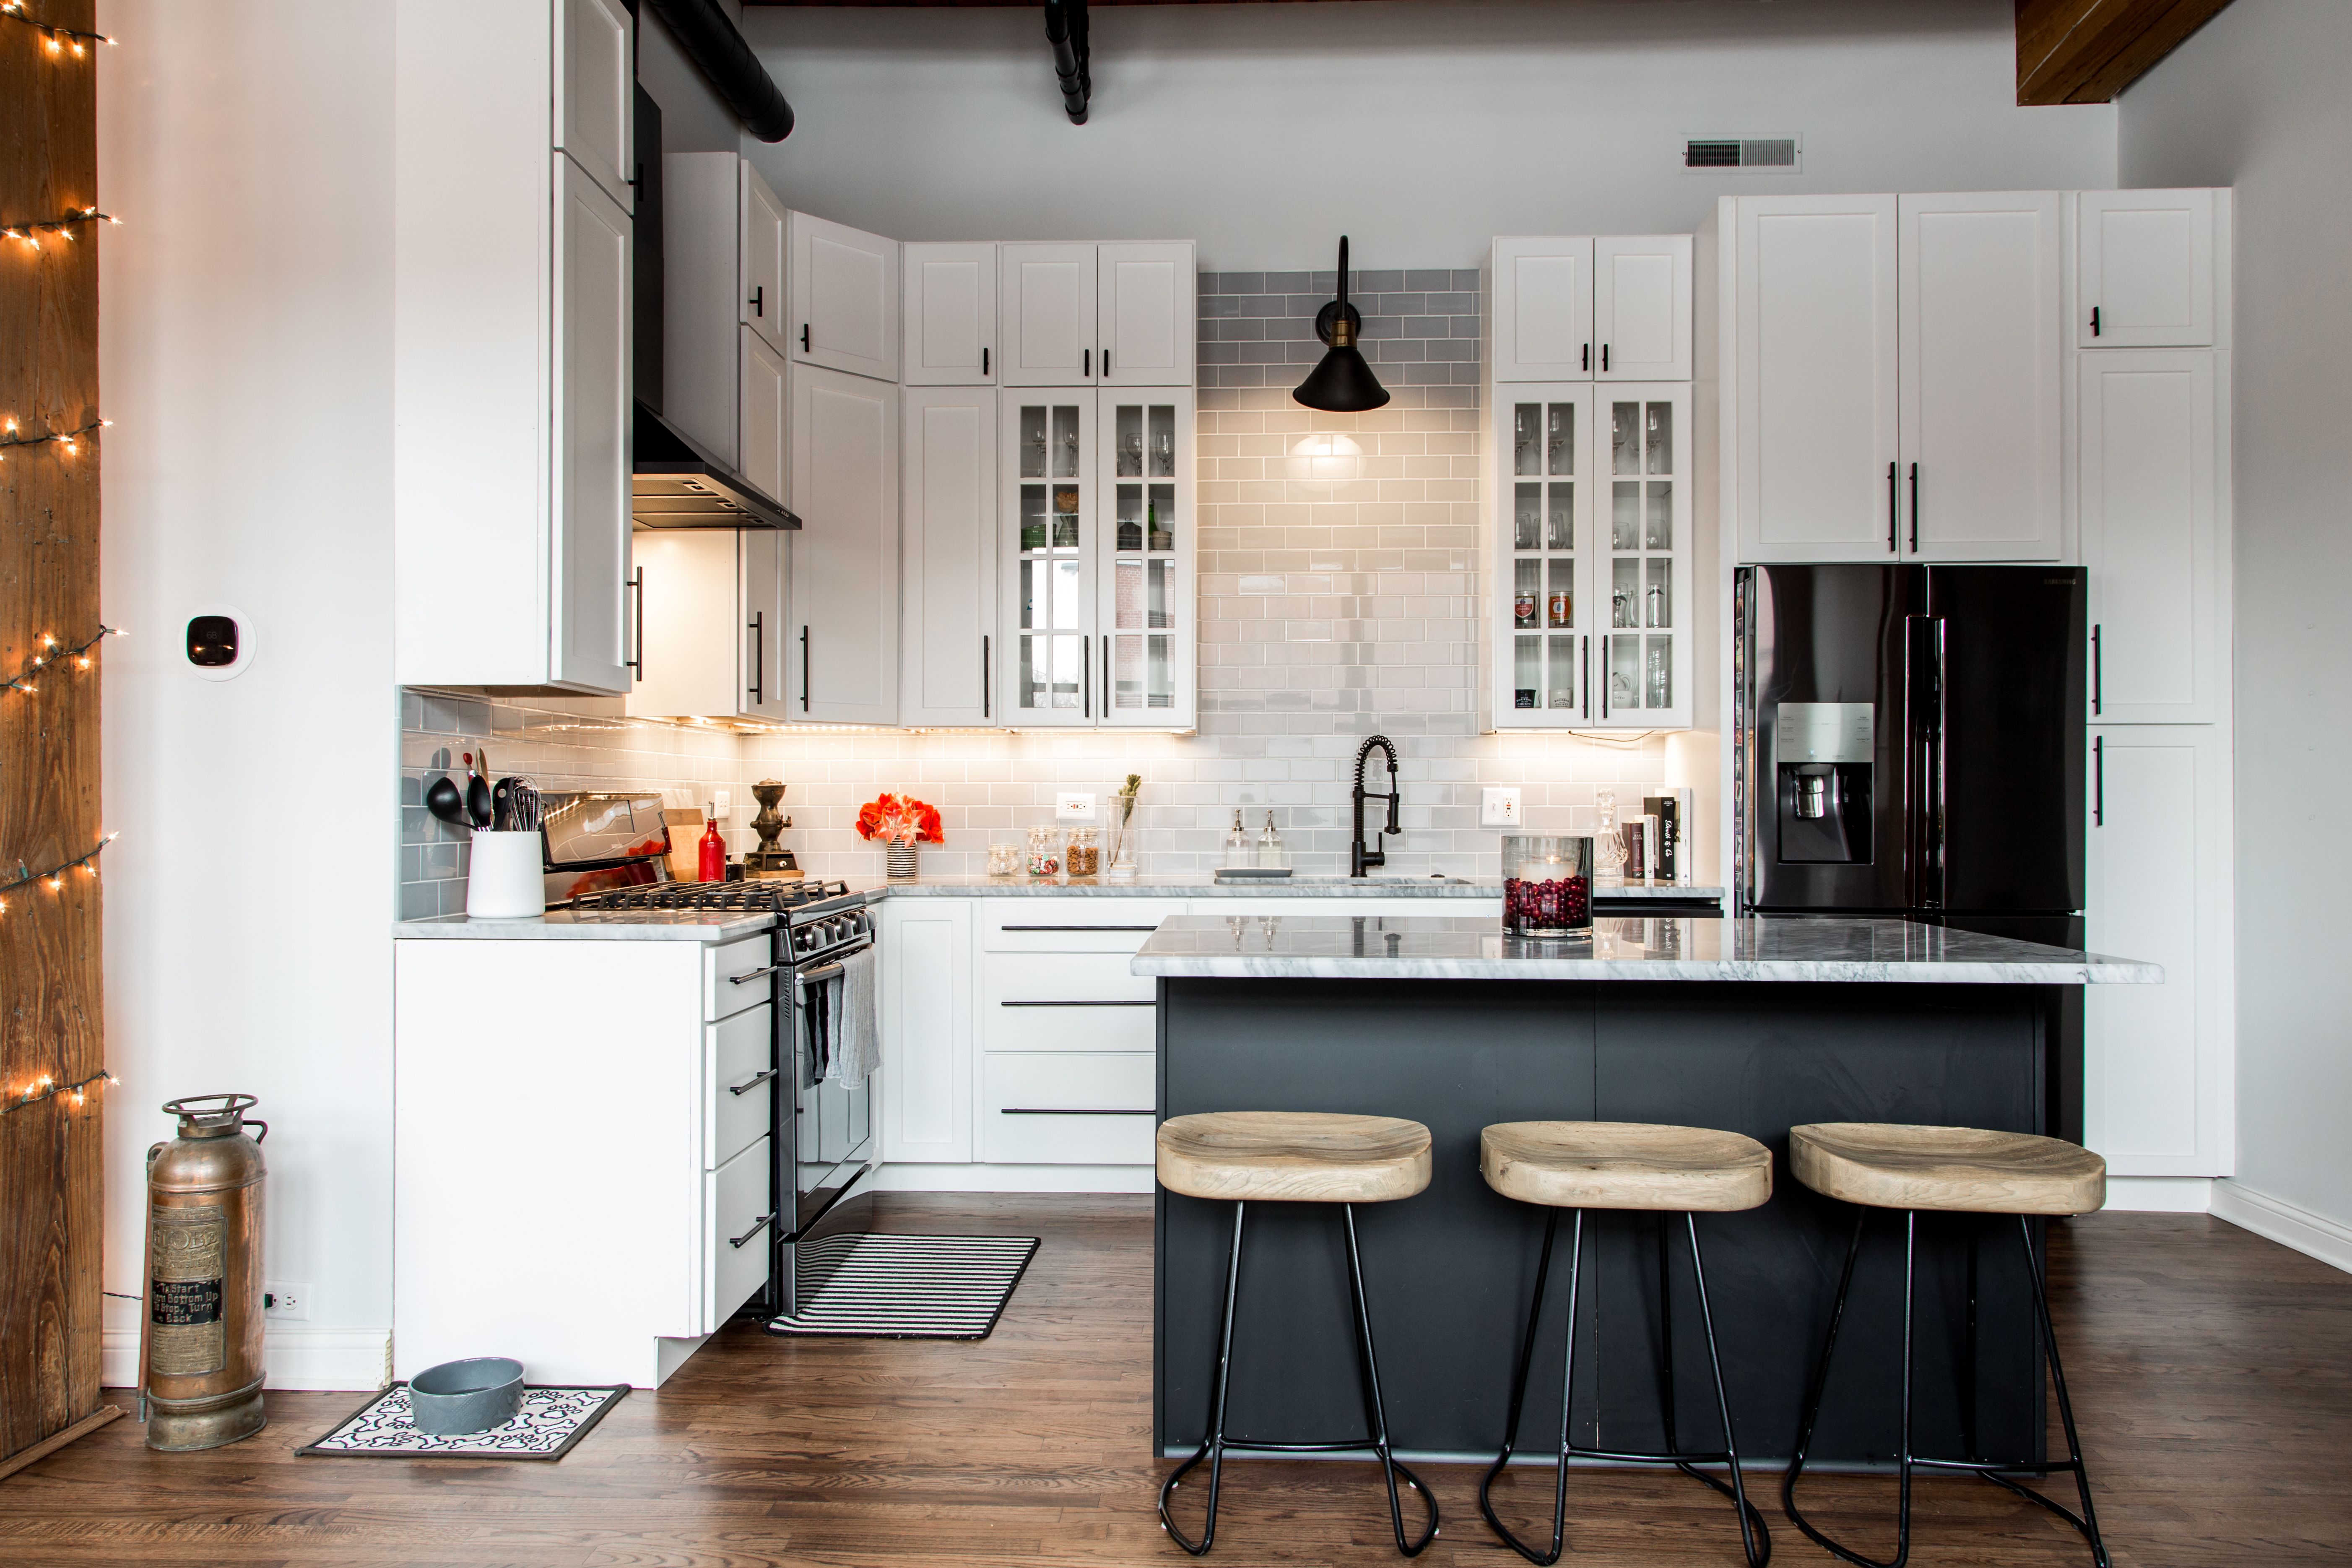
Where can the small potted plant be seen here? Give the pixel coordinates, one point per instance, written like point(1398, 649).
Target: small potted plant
point(901, 822)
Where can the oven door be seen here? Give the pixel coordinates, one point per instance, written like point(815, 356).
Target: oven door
point(831, 1140)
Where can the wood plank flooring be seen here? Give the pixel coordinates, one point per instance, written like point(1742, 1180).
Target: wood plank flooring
point(2211, 1369)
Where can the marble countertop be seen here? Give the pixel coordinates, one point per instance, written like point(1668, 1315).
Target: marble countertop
point(1204, 885)
point(1786, 947)
point(712, 926)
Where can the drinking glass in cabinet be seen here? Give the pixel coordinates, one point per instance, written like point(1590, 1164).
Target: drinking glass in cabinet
point(1560, 603)
point(1033, 441)
point(1658, 526)
point(1560, 439)
point(1065, 442)
point(1626, 515)
point(1127, 431)
point(1523, 439)
point(1658, 598)
point(1526, 508)
point(1659, 435)
point(1625, 673)
point(1526, 588)
point(1563, 518)
point(1625, 438)
point(1160, 517)
point(1130, 517)
point(1162, 420)
point(1160, 577)
point(1624, 591)
point(1563, 672)
point(1527, 662)
point(1661, 677)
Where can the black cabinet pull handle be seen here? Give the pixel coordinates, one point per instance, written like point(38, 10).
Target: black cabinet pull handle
point(638, 663)
point(757, 1227)
point(1604, 358)
point(805, 669)
point(1914, 509)
point(1604, 677)
point(804, 337)
point(759, 657)
point(2098, 780)
point(2095, 671)
point(760, 301)
point(1105, 361)
point(2095, 321)
point(1584, 663)
point(1587, 364)
point(1085, 362)
point(1106, 675)
point(754, 1082)
point(1085, 682)
point(983, 362)
point(1891, 509)
point(983, 677)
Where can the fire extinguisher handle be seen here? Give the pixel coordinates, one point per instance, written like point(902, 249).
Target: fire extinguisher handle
point(256, 1122)
point(153, 1150)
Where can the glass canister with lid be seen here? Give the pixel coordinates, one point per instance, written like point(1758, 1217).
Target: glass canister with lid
point(1547, 886)
point(1044, 852)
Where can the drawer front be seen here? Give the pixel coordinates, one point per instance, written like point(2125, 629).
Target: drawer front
point(738, 1068)
point(734, 1200)
point(1068, 1109)
point(728, 966)
point(1072, 925)
point(1064, 1001)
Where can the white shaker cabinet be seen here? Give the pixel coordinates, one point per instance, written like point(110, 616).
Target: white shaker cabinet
point(948, 646)
point(843, 651)
point(510, 364)
point(1642, 307)
point(596, 93)
point(1810, 392)
point(714, 633)
point(763, 430)
point(1148, 295)
point(926, 1019)
point(1541, 308)
point(951, 315)
point(2145, 269)
point(2158, 1085)
point(1048, 315)
point(845, 294)
point(762, 621)
point(763, 290)
point(2149, 459)
point(1979, 350)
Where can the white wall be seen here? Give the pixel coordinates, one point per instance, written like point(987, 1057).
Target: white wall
point(1420, 128)
point(2255, 100)
point(244, 334)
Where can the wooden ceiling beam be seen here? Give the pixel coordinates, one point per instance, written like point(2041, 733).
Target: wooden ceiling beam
point(2087, 51)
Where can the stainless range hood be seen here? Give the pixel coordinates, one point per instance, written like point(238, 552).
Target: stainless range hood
point(673, 483)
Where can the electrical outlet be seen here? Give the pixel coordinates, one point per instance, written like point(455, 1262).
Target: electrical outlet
point(1073, 806)
point(1498, 808)
point(725, 800)
point(290, 1302)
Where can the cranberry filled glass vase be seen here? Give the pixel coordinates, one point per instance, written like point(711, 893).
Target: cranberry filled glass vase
point(1547, 886)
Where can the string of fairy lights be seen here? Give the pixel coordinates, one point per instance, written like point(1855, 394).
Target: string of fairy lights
point(61, 42)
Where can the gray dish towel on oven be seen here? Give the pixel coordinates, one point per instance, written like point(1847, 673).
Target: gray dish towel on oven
point(855, 1046)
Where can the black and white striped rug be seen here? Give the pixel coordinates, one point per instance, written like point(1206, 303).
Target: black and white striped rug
point(864, 1286)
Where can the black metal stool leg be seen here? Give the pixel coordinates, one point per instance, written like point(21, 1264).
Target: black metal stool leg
point(1213, 1443)
point(1519, 1400)
point(1390, 1467)
point(1757, 1543)
point(1813, 1410)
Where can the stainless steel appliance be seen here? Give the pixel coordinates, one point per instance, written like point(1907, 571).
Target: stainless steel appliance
point(1910, 742)
point(824, 1130)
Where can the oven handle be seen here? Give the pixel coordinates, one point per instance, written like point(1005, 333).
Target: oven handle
point(828, 971)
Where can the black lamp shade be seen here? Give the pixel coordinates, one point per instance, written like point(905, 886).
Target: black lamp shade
point(1342, 383)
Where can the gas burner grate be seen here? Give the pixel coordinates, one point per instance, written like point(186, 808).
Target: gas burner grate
point(752, 894)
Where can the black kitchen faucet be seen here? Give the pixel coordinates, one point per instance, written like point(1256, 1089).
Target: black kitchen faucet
point(1359, 857)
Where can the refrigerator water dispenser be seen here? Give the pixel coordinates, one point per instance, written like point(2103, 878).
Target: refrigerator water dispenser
point(1824, 753)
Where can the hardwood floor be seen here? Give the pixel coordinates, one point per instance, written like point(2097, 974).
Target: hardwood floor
point(2212, 1372)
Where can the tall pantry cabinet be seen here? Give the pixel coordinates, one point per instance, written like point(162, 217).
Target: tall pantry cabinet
point(510, 348)
point(2027, 376)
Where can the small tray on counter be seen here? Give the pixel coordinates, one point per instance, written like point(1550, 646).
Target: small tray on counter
point(1251, 873)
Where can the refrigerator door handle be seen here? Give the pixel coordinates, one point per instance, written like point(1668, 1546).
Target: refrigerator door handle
point(1923, 657)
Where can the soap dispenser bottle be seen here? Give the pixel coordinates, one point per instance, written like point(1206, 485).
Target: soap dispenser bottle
point(1237, 845)
point(1269, 847)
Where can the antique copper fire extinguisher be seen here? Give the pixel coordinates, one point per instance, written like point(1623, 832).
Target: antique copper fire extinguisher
point(200, 1352)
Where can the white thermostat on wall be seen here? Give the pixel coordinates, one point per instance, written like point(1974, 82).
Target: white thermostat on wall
point(221, 641)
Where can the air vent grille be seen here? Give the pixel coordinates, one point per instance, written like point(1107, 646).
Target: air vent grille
point(1764, 155)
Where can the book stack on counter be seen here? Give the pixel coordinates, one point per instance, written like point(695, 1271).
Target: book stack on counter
point(1657, 841)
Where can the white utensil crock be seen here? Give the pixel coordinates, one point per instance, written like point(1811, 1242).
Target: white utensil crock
point(505, 880)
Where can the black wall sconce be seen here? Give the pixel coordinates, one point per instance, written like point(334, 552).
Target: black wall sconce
point(1342, 383)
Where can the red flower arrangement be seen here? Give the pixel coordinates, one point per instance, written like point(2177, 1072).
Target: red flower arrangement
point(900, 819)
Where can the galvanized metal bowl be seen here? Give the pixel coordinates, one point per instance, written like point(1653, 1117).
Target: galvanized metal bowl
point(462, 1397)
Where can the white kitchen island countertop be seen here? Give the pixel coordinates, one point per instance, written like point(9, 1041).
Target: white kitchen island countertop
point(1765, 948)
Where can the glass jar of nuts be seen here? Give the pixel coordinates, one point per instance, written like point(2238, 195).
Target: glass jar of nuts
point(1084, 856)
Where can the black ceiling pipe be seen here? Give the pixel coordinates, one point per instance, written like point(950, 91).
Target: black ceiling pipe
point(728, 64)
point(1066, 29)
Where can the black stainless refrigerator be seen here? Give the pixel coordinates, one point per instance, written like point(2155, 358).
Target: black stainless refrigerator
point(1911, 744)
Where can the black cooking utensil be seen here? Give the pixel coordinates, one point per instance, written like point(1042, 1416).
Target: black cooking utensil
point(502, 806)
point(478, 800)
point(444, 800)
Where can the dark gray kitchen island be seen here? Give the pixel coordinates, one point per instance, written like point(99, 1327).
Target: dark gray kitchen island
point(1750, 1026)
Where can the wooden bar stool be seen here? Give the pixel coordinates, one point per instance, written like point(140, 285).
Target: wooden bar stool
point(1585, 1165)
point(1299, 1157)
point(1881, 1166)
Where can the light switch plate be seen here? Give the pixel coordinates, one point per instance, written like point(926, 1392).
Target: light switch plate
point(1498, 807)
point(1073, 806)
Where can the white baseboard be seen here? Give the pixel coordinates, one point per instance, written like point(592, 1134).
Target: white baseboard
point(292, 1357)
point(2289, 1225)
point(1014, 1179)
point(2159, 1195)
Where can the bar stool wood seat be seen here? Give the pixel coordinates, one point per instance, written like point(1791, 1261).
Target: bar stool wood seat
point(1889, 1166)
point(1293, 1157)
point(1625, 1165)
point(1580, 1165)
point(1963, 1170)
point(1244, 1157)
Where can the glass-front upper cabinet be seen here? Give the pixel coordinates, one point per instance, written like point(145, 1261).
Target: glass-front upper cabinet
point(1147, 611)
point(1594, 532)
point(1099, 608)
